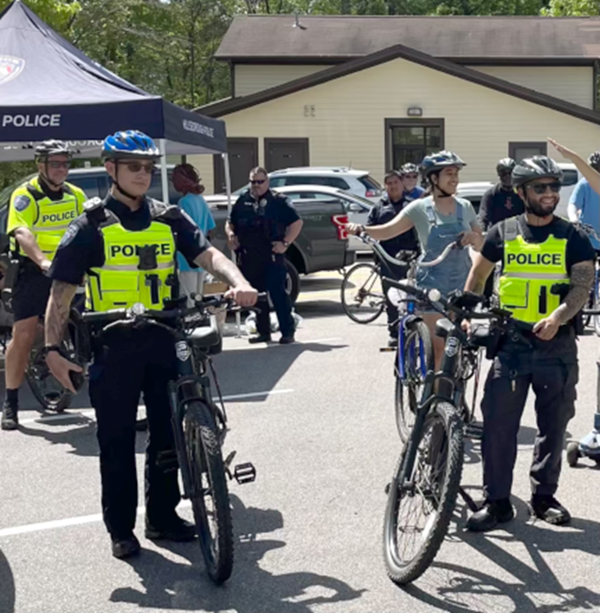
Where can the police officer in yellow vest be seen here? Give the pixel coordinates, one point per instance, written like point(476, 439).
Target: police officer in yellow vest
point(39, 212)
point(547, 273)
point(109, 244)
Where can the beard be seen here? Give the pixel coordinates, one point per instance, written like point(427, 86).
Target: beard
point(538, 209)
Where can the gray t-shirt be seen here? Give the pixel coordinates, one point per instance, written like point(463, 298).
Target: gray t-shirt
point(417, 213)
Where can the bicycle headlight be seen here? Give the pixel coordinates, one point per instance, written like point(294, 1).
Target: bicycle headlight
point(434, 295)
point(138, 308)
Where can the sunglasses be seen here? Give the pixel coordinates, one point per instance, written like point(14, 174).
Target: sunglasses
point(411, 176)
point(137, 166)
point(57, 165)
point(541, 188)
point(257, 181)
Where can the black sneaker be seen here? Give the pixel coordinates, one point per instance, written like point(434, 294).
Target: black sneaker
point(392, 341)
point(10, 417)
point(125, 548)
point(260, 338)
point(287, 340)
point(178, 530)
point(493, 513)
point(549, 510)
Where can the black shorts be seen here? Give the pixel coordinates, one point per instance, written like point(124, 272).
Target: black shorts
point(30, 293)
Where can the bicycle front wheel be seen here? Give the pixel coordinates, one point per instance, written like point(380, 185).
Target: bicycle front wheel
point(209, 495)
point(417, 358)
point(362, 298)
point(422, 497)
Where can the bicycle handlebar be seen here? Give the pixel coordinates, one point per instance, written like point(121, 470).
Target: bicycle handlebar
point(376, 246)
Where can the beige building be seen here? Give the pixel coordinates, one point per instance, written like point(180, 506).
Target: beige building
point(341, 91)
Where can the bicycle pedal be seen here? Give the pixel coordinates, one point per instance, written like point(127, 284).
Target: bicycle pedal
point(244, 473)
point(474, 431)
point(387, 349)
point(387, 488)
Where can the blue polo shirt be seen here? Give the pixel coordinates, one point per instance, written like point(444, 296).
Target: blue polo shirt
point(587, 201)
point(195, 206)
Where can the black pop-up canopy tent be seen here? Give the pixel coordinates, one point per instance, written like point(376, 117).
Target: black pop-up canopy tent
point(50, 89)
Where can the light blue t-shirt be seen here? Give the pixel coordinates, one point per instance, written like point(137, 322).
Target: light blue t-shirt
point(587, 201)
point(195, 206)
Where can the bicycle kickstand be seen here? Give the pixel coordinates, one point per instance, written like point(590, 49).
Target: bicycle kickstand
point(468, 500)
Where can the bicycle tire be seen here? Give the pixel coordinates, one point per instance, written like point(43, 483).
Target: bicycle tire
point(50, 394)
point(207, 472)
point(352, 304)
point(595, 319)
point(407, 391)
point(402, 571)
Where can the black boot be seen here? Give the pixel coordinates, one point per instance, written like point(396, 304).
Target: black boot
point(178, 530)
point(549, 509)
point(259, 338)
point(125, 548)
point(494, 512)
point(10, 417)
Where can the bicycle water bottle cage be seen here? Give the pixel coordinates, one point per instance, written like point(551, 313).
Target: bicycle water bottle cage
point(147, 255)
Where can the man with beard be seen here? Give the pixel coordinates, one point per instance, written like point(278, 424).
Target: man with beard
point(547, 273)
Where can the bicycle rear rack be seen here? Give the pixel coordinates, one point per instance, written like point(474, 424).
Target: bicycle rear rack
point(242, 473)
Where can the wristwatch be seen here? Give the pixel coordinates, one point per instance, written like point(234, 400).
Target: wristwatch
point(48, 348)
point(285, 244)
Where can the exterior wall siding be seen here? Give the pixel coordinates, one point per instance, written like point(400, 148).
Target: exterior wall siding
point(252, 78)
point(571, 83)
point(350, 112)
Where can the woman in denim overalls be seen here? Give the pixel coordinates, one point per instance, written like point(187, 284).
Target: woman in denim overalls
point(445, 224)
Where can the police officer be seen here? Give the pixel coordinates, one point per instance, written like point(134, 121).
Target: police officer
point(501, 201)
point(390, 205)
point(109, 244)
point(547, 272)
point(39, 212)
point(261, 227)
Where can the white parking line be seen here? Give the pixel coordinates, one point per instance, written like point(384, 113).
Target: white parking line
point(67, 522)
point(263, 346)
point(91, 412)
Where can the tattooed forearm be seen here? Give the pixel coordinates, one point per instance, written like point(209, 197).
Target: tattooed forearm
point(581, 279)
point(57, 311)
point(221, 267)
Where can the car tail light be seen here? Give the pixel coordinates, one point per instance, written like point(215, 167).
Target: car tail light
point(339, 221)
point(371, 193)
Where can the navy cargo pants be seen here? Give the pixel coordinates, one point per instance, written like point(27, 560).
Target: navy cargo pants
point(128, 363)
point(551, 370)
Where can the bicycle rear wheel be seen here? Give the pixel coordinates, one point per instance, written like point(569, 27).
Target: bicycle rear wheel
point(362, 298)
point(209, 496)
point(417, 355)
point(47, 390)
point(422, 497)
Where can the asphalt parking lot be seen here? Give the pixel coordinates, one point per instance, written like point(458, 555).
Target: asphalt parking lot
point(316, 419)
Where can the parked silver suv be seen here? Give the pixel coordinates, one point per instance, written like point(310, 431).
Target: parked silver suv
point(357, 182)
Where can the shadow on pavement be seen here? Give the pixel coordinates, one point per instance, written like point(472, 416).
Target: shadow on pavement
point(533, 587)
point(184, 585)
point(7, 586)
point(250, 370)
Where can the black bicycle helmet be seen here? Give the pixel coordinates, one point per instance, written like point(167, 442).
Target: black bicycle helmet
point(505, 165)
point(409, 169)
point(594, 160)
point(537, 167)
point(51, 147)
point(436, 161)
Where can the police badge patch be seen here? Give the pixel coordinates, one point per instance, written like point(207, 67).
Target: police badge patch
point(10, 67)
point(21, 203)
point(69, 235)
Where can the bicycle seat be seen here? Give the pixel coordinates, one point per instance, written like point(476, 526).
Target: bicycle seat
point(443, 327)
point(204, 337)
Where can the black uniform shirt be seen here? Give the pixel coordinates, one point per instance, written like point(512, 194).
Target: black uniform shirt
point(82, 246)
point(385, 210)
point(258, 224)
point(498, 204)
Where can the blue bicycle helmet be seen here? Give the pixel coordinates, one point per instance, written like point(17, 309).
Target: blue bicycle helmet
point(129, 144)
point(436, 161)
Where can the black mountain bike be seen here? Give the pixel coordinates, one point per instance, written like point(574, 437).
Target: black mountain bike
point(426, 482)
point(199, 424)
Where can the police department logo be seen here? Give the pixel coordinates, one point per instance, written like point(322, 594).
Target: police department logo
point(182, 351)
point(452, 347)
point(21, 203)
point(10, 67)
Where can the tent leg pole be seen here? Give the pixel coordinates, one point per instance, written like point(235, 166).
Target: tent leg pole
point(164, 177)
point(238, 318)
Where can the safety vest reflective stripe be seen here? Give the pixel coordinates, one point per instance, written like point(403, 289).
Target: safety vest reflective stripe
point(537, 275)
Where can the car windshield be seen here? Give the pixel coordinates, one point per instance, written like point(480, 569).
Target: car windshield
point(356, 197)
